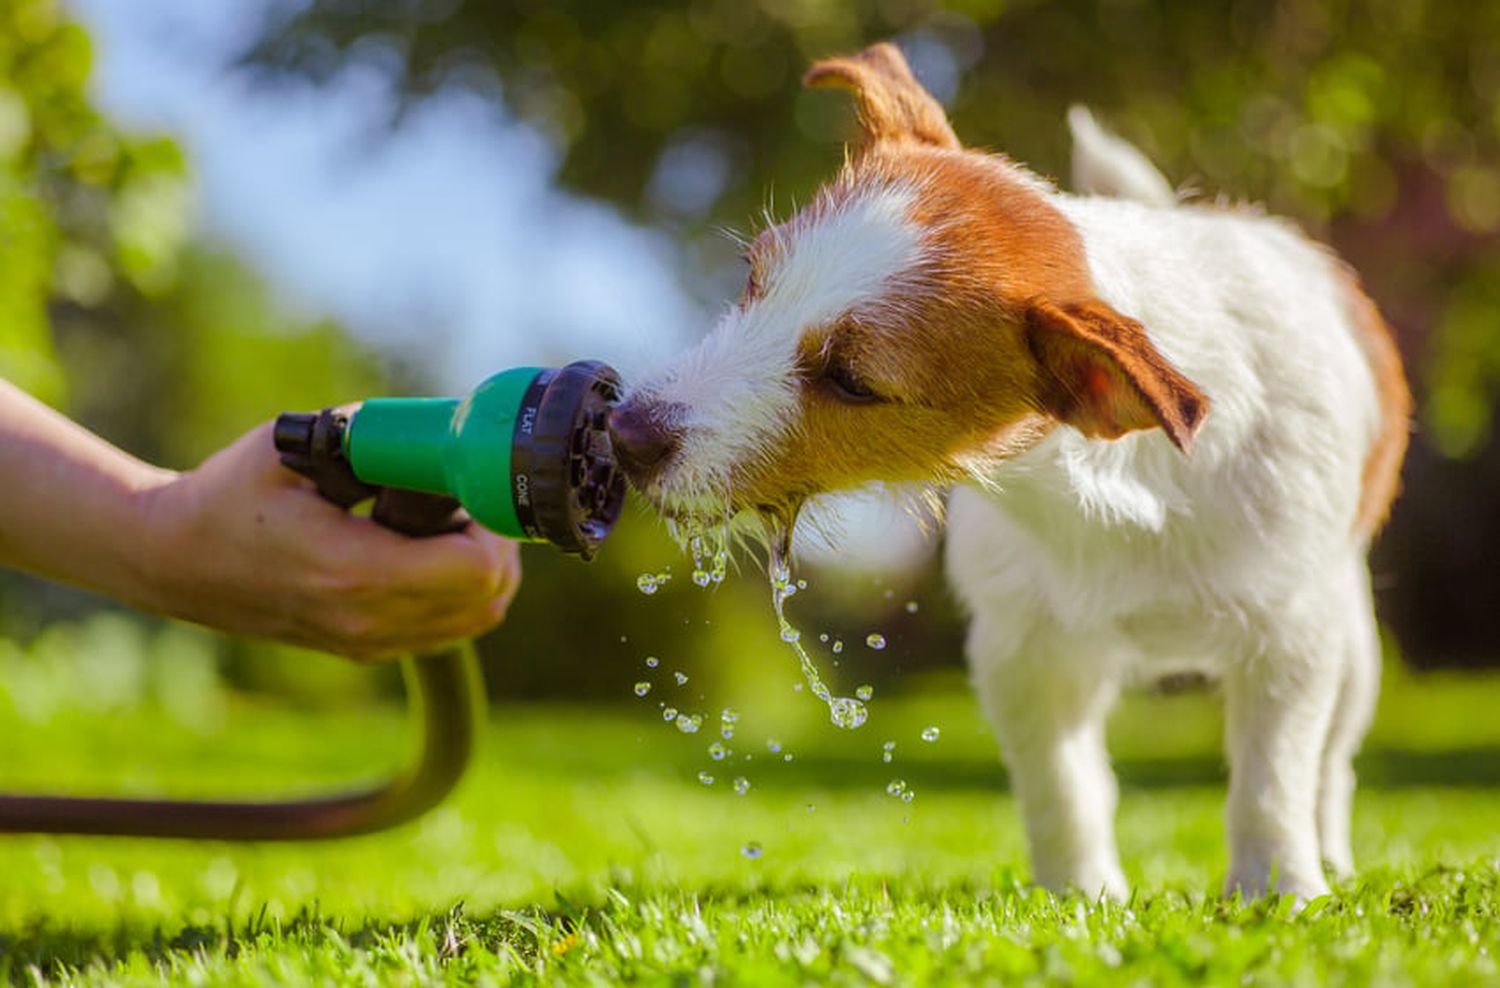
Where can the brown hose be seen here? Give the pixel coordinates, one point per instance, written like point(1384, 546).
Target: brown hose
point(444, 692)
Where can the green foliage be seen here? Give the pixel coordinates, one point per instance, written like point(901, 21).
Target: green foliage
point(583, 850)
point(87, 214)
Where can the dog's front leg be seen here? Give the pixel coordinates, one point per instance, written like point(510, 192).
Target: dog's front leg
point(1278, 706)
point(1048, 701)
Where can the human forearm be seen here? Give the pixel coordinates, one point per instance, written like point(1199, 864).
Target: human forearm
point(239, 543)
point(72, 503)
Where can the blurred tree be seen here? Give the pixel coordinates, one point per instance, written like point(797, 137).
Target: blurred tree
point(107, 308)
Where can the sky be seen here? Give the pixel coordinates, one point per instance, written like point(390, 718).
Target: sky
point(449, 234)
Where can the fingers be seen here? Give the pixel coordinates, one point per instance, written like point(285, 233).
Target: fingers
point(395, 594)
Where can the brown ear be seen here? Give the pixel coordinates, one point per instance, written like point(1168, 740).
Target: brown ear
point(892, 105)
point(1101, 375)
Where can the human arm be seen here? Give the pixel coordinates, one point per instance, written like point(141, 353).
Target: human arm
point(240, 543)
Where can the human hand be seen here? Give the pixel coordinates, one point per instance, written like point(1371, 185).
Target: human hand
point(245, 545)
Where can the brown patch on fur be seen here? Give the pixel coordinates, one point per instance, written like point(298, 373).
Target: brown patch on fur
point(1382, 473)
point(892, 105)
point(1106, 379)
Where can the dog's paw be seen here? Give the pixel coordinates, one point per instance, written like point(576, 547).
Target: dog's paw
point(1254, 885)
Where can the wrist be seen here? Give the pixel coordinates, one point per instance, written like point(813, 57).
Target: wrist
point(148, 545)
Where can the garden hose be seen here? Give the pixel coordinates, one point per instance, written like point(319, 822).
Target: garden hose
point(527, 454)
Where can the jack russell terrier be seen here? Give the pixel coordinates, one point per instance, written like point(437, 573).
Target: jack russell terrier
point(1171, 432)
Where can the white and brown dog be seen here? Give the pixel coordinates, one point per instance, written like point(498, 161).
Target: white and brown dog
point(1171, 432)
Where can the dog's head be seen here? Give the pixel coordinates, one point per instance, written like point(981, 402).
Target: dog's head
point(928, 314)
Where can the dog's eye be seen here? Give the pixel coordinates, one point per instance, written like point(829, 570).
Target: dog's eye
point(847, 385)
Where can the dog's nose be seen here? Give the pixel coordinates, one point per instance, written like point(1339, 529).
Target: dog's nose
point(642, 440)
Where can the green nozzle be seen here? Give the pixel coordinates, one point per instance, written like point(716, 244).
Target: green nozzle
point(526, 453)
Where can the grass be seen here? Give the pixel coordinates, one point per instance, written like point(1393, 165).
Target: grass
point(582, 849)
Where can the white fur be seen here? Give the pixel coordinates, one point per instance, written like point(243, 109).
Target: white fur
point(738, 389)
point(1103, 563)
point(1104, 165)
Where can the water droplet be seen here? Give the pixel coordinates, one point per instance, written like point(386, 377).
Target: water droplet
point(847, 712)
point(787, 757)
point(823, 637)
point(886, 757)
point(889, 594)
point(865, 692)
point(668, 713)
point(876, 641)
point(838, 646)
point(705, 778)
point(652, 662)
point(717, 751)
point(773, 745)
point(689, 724)
point(790, 634)
point(751, 850)
point(887, 751)
point(727, 719)
point(797, 687)
point(681, 677)
point(649, 583)
point(896, 787)
point(801, 584)
point(911, 607)
point(889, 746)
point(930, 733)
point(642, 688)
point(908, 796)
point(741, 785)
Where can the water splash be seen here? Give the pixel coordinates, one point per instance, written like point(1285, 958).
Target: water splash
point(930, 733)
point(642, 688)
point(710, 552)
point(845, 711)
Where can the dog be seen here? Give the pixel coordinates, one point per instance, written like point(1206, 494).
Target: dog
point(1170, 431)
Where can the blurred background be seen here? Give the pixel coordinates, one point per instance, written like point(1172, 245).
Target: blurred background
point(211, 213)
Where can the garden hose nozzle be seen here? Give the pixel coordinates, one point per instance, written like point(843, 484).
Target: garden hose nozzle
point(527, 454)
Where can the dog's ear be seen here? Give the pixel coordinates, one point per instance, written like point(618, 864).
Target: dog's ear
point(892, 105)
point(1101, 375)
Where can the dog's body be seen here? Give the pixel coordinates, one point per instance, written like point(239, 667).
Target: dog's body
point(941, 315)
point(1097, 563)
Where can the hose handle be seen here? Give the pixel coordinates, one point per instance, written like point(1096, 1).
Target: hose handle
point(313, 446)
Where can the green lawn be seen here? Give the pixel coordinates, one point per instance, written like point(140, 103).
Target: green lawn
point(582, 849)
